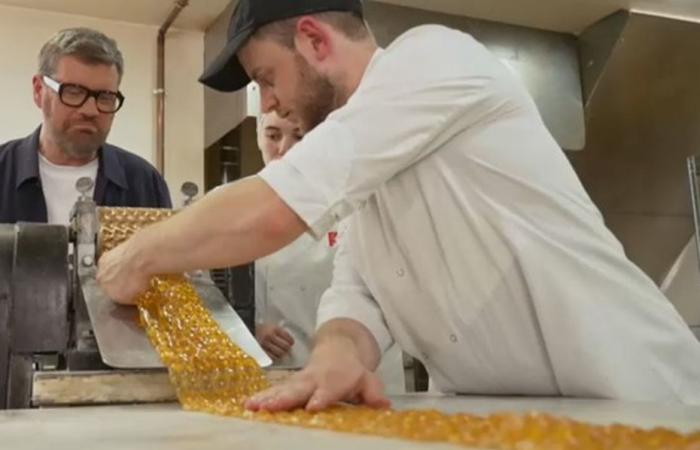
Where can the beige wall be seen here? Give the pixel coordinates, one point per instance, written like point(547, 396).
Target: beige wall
point(223, 111)
point(23, 31)
point(184, 117)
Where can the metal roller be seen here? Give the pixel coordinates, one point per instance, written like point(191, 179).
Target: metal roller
point(34, 303)
point(7, 243)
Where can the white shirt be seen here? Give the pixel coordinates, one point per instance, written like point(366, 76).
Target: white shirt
point(288, 288)
point(472, 242)
point(58, 185)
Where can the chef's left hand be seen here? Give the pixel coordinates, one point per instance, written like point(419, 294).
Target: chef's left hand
point(121, 276)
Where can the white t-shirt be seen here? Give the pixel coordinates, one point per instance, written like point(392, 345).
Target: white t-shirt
point(58, 185)
point(472, 242)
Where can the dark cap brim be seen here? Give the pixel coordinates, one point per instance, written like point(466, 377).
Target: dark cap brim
point(226, 73)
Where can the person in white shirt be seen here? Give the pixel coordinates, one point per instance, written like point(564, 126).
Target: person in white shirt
point(471, 241)
point(290, 282)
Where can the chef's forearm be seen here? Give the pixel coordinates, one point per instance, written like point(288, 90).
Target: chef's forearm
point(232, 225)
point(344, 336)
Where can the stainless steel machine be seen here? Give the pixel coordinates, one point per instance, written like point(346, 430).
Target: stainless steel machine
point(62, 341)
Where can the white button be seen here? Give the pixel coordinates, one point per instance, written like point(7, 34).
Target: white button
point(400, 272)
point(453, 338)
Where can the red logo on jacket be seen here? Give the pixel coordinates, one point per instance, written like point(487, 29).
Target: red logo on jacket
point(332, 238)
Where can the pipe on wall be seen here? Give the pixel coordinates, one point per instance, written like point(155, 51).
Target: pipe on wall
point(160, 84)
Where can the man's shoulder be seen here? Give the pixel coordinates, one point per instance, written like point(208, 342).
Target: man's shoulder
point(8, 149)
point(430, 32)
point(146, 186)
point(11, 145)
point(129, 160)
point(430, 49)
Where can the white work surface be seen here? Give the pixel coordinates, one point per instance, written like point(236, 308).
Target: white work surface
point(169, 428)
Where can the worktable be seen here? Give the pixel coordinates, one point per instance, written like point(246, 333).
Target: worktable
point(166, 426)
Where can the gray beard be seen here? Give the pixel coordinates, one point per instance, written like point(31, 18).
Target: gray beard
point(84, 148)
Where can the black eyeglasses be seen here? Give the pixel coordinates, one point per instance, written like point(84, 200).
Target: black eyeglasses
point(75, 95)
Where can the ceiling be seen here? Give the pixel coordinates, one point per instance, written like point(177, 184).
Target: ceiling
point(557, 15)
point(196, 16)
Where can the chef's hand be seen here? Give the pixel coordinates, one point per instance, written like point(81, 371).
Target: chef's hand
point(120, 275)
point(275, 340)
point(332, 375)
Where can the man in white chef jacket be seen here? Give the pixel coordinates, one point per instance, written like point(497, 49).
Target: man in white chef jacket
point(471, 241)
point(290, 282)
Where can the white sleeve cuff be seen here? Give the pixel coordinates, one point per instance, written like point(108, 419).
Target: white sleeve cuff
point(305, 199)
point(311, 179)
point(362, 310)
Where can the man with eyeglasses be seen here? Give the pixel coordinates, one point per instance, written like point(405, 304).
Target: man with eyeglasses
point(77, 90)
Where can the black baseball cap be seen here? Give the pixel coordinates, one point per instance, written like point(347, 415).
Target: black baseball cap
point(225, 73)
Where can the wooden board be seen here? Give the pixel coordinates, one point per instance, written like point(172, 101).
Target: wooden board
point(103, 387)
point(111, 387)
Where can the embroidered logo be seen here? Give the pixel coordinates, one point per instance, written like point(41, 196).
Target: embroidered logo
point(332, 238)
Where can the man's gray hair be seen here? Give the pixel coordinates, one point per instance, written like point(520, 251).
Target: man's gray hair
point(89, 46)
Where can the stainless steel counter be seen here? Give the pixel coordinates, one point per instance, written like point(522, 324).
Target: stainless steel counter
point(150, 427)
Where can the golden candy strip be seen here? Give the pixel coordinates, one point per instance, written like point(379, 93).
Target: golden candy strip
point(211, 374)
point(498, 431)
point(208, 371)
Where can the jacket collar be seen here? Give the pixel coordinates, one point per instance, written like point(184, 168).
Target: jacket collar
point(27, 162)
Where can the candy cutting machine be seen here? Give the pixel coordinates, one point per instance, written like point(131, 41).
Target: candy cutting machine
point(62, 341)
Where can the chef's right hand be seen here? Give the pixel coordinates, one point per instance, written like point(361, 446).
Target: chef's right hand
point(275, 340)
point(332, 375)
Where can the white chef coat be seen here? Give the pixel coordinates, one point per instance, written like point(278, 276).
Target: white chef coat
point(472, 242)
point(288, 288)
